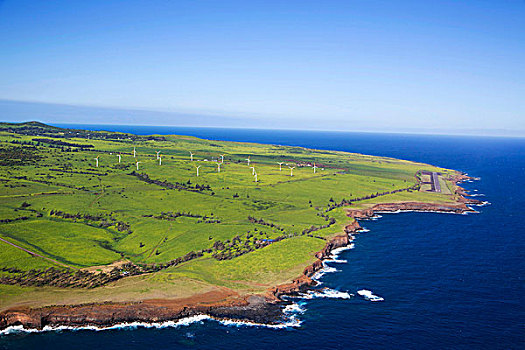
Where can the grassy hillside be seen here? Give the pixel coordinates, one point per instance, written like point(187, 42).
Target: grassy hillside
point(145, 230)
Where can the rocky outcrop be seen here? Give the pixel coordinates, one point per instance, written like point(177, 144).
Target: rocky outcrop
point(336, 242)
point(305, 281)
point(460, 206)
point(408, 206)
point(253, 308)
point(299, 284)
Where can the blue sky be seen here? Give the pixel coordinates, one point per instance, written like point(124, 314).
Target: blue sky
point(335, 65)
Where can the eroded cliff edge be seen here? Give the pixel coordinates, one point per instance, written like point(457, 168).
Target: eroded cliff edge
point(221, 303)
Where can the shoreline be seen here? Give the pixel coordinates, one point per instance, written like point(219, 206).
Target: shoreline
point(224, 306)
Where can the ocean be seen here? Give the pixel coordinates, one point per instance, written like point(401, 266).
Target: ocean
point(449, 281)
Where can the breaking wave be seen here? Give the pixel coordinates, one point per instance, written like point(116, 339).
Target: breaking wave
point(294, 308)
point(326, 293)
point(290, 321)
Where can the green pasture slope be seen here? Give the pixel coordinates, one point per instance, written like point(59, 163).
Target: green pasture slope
point(109, 213)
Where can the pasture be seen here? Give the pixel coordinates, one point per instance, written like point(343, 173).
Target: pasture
point(236, 230)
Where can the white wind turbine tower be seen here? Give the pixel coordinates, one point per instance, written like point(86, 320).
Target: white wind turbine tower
point(253, 170)
point(134, 152)
point(291, 170)
point(280, 166)
point(160, 159)
point(191, 156)
point(119, 157)
point(222, 157)
point(96, 159)
point(255, 177)
point(218, 167)
point(197, 167)
point(248, 160)
point(158, 154)
point(138, 165)
point(315, 167)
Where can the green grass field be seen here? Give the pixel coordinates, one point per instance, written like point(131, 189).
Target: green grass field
point(55, 202)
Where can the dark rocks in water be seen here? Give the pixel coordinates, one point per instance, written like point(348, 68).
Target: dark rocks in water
point(258, 310)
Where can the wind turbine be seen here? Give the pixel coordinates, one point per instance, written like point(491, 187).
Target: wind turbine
point(197, 167)
point(96, 159)
point(218, 167)
point(248, 160)
point(134, 152)
point(291, 170)
point(280, 166)
point(138, 165)
point(160, 159)
point(255, 177)
point(222, 158)
point(158, 154)
point(119, 157)
point(315, 167)
point(253, 170)
point(191, 156)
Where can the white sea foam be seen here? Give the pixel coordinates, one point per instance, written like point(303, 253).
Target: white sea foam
point(294, 308)
point(335, 252)
point(326, 293)
point(127, 325)
point(290, 321)
point(375, 217)
point(324, 270)
point(338, 261)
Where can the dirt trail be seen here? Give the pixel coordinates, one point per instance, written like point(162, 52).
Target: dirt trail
point(160, 242)
point(38, 255)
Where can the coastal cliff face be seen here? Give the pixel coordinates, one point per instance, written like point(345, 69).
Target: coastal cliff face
point(253, 308)
point(222, 303)
point(305, 280)
point(409, 206)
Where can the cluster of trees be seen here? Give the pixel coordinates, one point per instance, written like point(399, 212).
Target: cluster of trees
point(67, 278)
point(239, 246)
point(189, 256)
point(26, 143)
point(331, 221)
point(187, 186)
point(254, 220)
point(100, 220)
point(18, 156)
point(78, 172)
point(40, 129)
point(64, 278)
point(50, 182)
point(170, 216)
point(35, 129)
point(21, 218)
point(62, 143)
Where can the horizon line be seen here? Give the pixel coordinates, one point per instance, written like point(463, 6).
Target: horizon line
point(501, 133)
point(293, 129)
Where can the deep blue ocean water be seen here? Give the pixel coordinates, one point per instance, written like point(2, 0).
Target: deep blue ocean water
point(449, 281)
